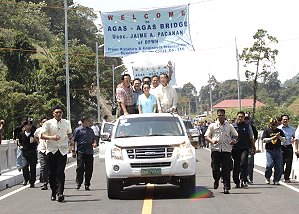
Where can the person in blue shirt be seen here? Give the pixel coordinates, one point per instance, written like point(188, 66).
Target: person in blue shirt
point(147, 103)
point(84, 141)
point(286, 147)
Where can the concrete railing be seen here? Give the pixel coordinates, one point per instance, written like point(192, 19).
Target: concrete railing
point(8, 155)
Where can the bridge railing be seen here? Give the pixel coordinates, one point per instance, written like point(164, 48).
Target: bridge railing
point(8, 155)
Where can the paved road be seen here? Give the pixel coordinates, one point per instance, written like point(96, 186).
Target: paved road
point(164, 199)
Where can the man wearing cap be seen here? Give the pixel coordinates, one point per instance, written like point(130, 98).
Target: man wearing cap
point(286, 147)
point(273, 137)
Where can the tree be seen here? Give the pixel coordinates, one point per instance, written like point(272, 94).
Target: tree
point(259, 60)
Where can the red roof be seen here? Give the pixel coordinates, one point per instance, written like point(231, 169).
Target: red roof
point(234, 103)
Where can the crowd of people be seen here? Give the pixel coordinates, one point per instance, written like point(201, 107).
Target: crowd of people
point(232, 144)
point(52, 142)
point(149, 95)
point(233, 148)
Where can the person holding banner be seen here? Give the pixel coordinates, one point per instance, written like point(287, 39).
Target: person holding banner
point(166, 95)
point(124, 95)
point(147, 103)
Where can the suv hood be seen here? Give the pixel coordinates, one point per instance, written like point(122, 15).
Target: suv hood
point(149, 141)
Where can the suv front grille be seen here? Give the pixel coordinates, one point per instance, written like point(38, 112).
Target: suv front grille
point(150, 152)
point(147, 165)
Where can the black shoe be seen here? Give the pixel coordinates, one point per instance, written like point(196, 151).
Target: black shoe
point(87, 188)
point(60, 198)
point(31, 185)
point(44, 187)
point(78, 186)
point(244, 184)
point(226, 191)
point(25, 183)
point(53, 197)
point(237, 186)
point(216, 184)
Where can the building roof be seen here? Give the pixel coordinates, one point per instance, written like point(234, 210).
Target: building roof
point(234, 103)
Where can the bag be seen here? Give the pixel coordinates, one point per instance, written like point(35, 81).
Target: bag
point(21, 161)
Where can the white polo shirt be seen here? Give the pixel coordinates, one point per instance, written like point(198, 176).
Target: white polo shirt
point(61, 128)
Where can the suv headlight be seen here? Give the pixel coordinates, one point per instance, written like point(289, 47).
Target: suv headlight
point(116, 153)
point(184, 150)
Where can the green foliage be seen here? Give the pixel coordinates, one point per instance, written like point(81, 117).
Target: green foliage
point(260, 59)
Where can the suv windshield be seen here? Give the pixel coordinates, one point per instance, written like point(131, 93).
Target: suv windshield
point(149, 126)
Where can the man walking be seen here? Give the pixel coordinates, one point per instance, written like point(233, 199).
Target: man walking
point(240, 151)
point(41, 148)
point(286, 147)
point(85, 141)
point(57, 132)
point(221, 135)
point(273, 137)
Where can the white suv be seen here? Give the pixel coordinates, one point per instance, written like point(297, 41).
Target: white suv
point(149, 148)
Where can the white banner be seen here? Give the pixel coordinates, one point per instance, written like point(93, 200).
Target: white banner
point(149, 71)
point(162, 30)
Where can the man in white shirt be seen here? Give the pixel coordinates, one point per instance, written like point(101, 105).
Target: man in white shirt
point(43, 158)
point(166, 95)
point(57, 132)
point(96, 130)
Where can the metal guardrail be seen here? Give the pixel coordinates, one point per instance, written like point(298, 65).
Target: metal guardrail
point(8, 155)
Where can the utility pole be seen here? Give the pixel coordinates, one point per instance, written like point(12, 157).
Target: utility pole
point(67, 70)
point(210, 88)
point(238, 74)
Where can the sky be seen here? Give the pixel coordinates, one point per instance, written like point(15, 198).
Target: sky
point(214, 26)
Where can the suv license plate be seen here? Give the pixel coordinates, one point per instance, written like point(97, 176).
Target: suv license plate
point(151, 171)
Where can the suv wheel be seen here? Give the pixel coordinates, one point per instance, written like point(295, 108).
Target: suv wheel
point(114, 187)
point(188, 185)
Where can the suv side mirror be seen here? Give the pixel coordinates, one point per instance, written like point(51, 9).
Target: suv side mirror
point(106, 137)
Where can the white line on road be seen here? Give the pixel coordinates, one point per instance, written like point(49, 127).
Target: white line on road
point(262, 173)
point(25, 187)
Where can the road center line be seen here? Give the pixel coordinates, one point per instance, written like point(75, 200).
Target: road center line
point(148, 201)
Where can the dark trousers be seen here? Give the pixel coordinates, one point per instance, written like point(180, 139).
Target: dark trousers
point(287, 157)
point(250, 164)
point(44, 167)
point(31, 158)
point(221, 160)
point(84, 165)
point(57, 164)
point(240, 170)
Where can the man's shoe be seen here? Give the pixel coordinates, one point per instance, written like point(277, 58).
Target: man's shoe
point(287, 181)
point(267, 181)
point(250, 182)
point(244, 184)
point(226, 191)
point(87, 188)
point(53, 197)
point(44, 187)
point(78, 186)
point(237, 186)
point(60, 198)
point(25, 183)
point(216, 184)
point(276, 183)
point(31, 185)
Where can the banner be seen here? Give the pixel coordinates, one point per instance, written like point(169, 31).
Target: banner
point(143, 71)
point(162, 30)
